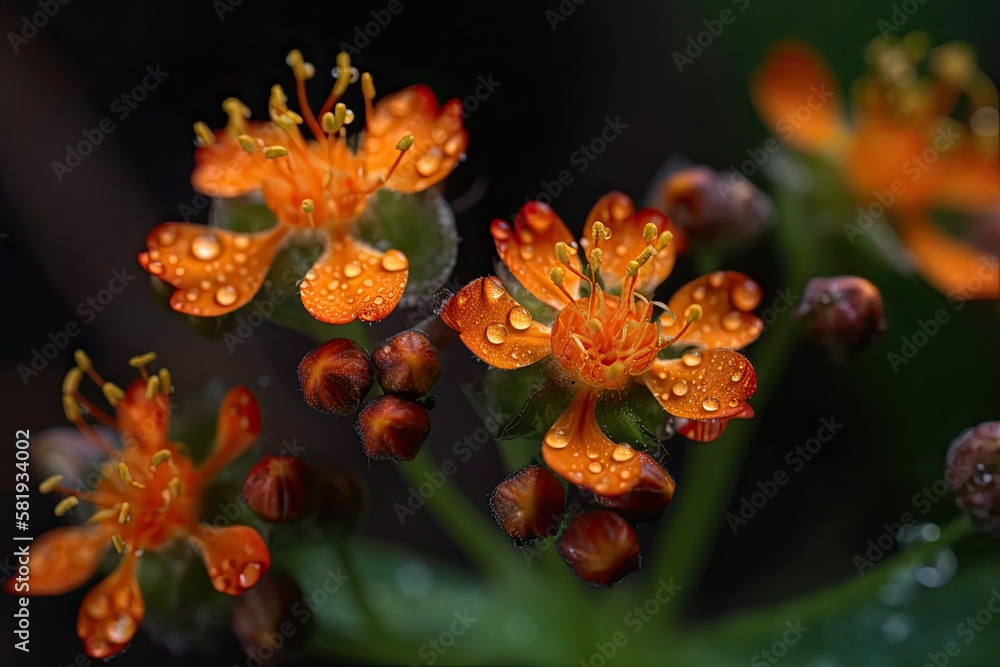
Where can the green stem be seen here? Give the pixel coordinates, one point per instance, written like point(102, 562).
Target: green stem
point(356, 584)
point(466, 526)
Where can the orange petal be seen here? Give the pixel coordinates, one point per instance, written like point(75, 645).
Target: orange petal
point(236, 557)
point(529, 251)
point(952, 267)
point(352, 280)
point(224, 169)
point(797, 97)
point(703, 430)
point(711, 384)
point(112, 611)
point(236, 430)
point(970, 179)
point(494, 327)
point(725, 297)
point(62, 559)
point(438, 139)
point(579, 452)
point(142, 422)
point(617, 211)
point(214, 270)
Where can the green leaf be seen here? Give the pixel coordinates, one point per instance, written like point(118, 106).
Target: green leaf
point(632, 415)
point(245, 214)
point(422, 226)
point(540, 311)
point(519, 403)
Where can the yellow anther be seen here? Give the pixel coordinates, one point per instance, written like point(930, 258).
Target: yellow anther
point(165, 384)
point(348, 117)
point(71, 408)
point(160, 456)
point(50, 483)
point(101, 515)
point(141, 360)
point(205, 136)
point(119, 543)
point(66, 504)
point(405, 143)
point(247, 143)
point(633, 268)
point(557, 274)
point(82, 360)
point(692, 313)
point(308, 206)
point(72, 381)
point(152, 387)
point(595, 324)
point(125, 473)
point(238, 114)
point(113, 393)
point(138, 485)
point(596, 256)
point(300, 68)
point(175, 487)
point(329, 123)
point(664, 241)
point(955, 62)
point(649, 232)
point(123, 513)
point(615, 371)
point(562, 253)
point(367, 86)
point(343, 74)
point(272, 152)
point(340, 114)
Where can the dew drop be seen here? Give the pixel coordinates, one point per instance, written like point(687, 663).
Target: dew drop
point(496, 333)
point(428, 164)
point(166, 237)
point(493, 288)
point(454, 145)
point(121, 630)
point(206, 247)
point(519, 318)
point(156, 268)
point(746, 295)
point(500, 231)
point(710, 404)
point(192, 295)
point(557, 438)
point(716, 279)
point(98, 607)
point(226, 295)
point(622, 453)
point(394, 260)
point(691, 358)
point(595, 467)
point(353, 270)
point(241, 242)
point(698, 294)
point(680, 388)
point(250, 575)
point(732, 321)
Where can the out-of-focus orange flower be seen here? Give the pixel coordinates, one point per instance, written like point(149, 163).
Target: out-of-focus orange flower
point(902, 149)
point(409, 143)
point(148, 497)
point(607, 333)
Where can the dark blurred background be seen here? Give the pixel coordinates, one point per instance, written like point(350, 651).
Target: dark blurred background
point(556, 84)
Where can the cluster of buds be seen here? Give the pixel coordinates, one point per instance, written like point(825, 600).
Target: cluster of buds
point(336, 377)
point(599, 545)
point(844, 313)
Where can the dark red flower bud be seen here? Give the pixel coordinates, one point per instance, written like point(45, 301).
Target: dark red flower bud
point(973, 473)
point(700, 430)
point(713, 206)
point(343, 498)
point(600, 547)
point(529, 504)
point(649, 499)
point(843, 312)
point(407, 365)
point(393, 428)
point(336, 376)
point(279, 488)
point(261, 612)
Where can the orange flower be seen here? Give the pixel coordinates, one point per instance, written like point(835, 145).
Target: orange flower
point(606, 333)
point(148, 497)
point(320, 184)
point(904, 152)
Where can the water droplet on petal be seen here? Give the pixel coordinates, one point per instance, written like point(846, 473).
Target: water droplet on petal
point(496, 333)
point(206, 247)
point(156, 268)
point(394, 260)
point(595, 467)
point(710, 404)
point(698, 294)
point(746, 295)
point(494, 288)
point(622, 453)
point(680, 388)
point(166, 237)
point(691, 358)
point(250, 575)
point(556, 438)
point(428, 164)
point(226, 295)
point(353, 270)
point(519, 318)
point(732, 321)
point(716, 279)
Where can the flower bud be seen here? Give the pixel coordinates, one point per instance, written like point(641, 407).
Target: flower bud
point(647, 501)
point(700, 430)
point(343, 498)
point(407, 365)
point(260, 613)
point(279, 488)
point(335, 376)
point(600, 547)
point(973, 473)
point(844, 313)
point(529, 504)
point(393, 428)
point(713, 206)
